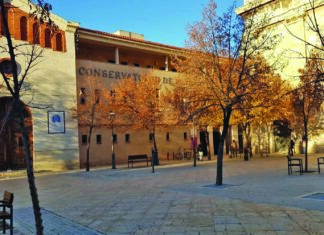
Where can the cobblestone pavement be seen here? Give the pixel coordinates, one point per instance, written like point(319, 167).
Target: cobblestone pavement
point(257, 197)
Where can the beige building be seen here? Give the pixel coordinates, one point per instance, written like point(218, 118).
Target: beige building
point(110, 57)
point(53, 132)
point(71, 56)
point(290, 20)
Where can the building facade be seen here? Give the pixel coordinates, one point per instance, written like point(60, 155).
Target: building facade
point(289, 19)
point(49, 92)
point(110, 57)
point(72, 55)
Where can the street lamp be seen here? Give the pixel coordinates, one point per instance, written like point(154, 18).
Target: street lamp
point(113, 160)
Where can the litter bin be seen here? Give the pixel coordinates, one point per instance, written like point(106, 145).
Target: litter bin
point(155, 157)
point(246, 154)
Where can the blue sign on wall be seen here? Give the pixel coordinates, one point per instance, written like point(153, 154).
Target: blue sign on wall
point(56, 122)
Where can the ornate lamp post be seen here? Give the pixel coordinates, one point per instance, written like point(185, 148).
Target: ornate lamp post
point(113, 159)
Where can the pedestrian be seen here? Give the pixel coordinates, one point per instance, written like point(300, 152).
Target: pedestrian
point(200, 152)
point(291, 147)
point(234, 149)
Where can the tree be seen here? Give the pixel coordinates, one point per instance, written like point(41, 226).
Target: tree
point(260, 118)
point(139, 103)
point(306, 102)
point(224, 68)
point(282, 130)
point(40, 10)
point(92, 111)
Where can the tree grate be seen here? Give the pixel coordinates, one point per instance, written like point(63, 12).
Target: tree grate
point(317, 196)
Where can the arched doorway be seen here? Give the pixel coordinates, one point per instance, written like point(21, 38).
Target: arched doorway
point(12, 154)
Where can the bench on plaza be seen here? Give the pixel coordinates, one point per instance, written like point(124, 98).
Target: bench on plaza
point(320, 161)
point(5, 214)
point(264, 152)
point(294, 162)
point(138, 158)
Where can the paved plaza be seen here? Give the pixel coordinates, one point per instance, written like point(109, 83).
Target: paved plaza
point(258, 197)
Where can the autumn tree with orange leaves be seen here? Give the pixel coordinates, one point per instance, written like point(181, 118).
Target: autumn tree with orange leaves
point(140, 105)
point(306, 102)
point(93, 109)
point(224, 71)
point(260, 118)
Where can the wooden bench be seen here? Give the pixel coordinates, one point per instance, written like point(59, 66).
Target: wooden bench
point(294, 162)
point(138, 158)
point(4, 214)
point(320, 161)
point(264, 152)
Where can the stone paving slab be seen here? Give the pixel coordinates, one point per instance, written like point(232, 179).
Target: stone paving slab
point(258, 197)
point(24, 224)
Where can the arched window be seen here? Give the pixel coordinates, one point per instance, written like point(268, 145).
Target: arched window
point(23, 28)
point(59, 46)
point(35, 33)
point(48, 43)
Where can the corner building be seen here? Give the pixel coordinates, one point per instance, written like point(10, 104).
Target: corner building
point(53, 133)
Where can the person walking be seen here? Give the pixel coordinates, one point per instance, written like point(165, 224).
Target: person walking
point(291, 147)
point(234, 149)
point(200, 152)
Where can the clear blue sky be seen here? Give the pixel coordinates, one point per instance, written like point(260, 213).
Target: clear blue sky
point(160, 21)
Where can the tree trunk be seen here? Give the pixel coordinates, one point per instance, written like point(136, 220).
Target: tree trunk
point(207, 143)
point(30, 171)
point(306, 147)
point(247, 149)
point(226, 119)
point(88, 149)
point(259, 139)
point(156, 157)
point(269, 136)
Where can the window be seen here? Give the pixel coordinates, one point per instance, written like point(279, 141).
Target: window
point(174, 70)
point(35, 33)
point(97, 96)
point(136, 65)
point(167, 136)
point(127, 137)
point(59, 46)
point(124, 63)
point(151, 136)
point(115, 138)
point(82, 95)
point(23, 28)
point(111, 61)
point(48, 43)
point(149, 66)
point(84, 139)
point(162, 68)
point(20, 144)
point(185, 136)
point(99, 139)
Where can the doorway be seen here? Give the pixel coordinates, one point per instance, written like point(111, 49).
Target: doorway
point(12, 153)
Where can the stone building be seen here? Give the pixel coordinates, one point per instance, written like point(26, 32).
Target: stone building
point(71, 56)
point(111, 57)
point(290, 20)
point(51, 83)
